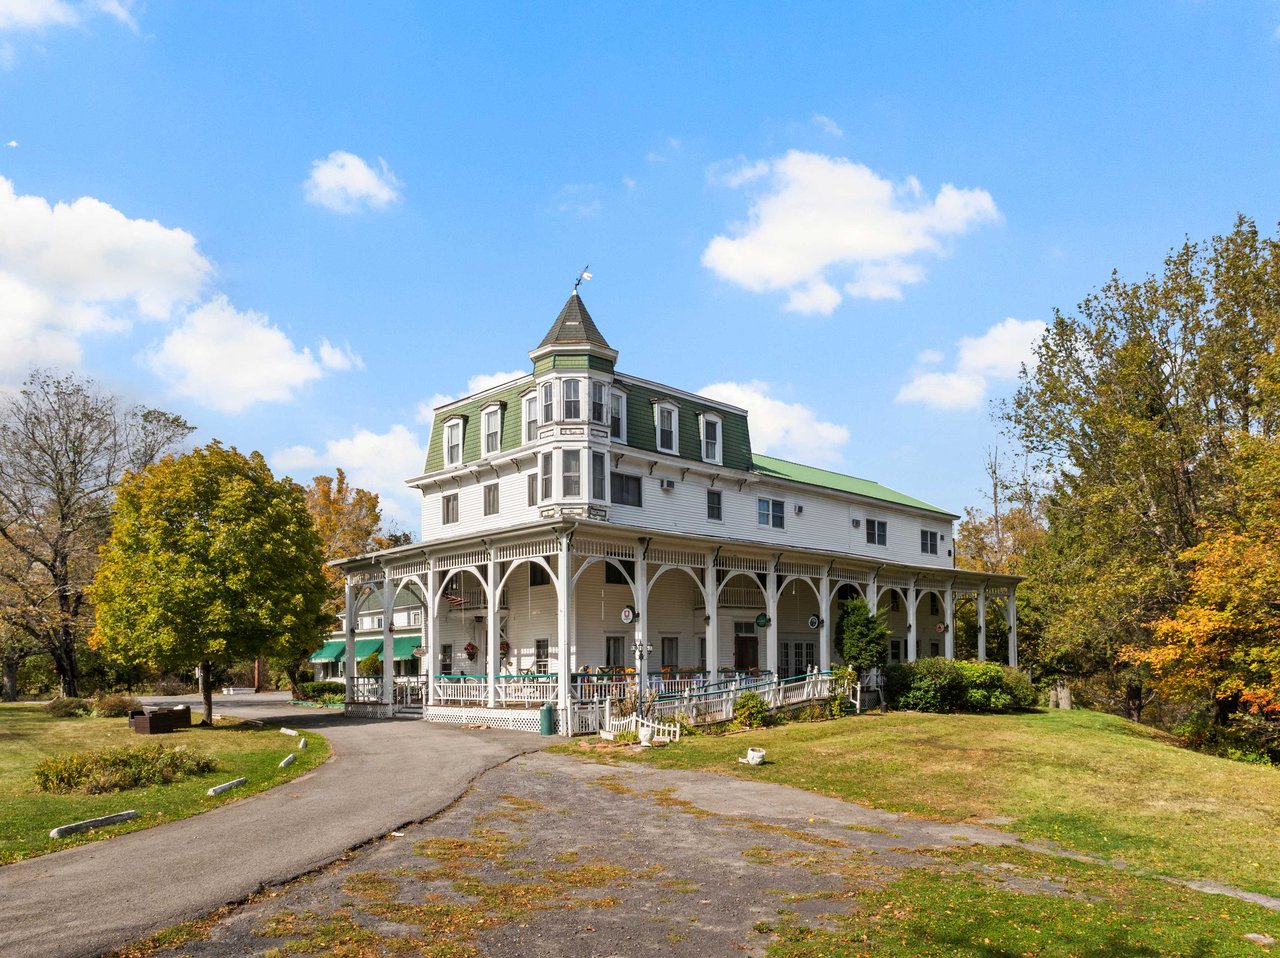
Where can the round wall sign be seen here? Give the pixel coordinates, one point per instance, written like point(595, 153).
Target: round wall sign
point(628, 615)
point(762, 621)
point(813, 622)
point(938, 627)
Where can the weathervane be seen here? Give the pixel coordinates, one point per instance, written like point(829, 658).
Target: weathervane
point(581, 276)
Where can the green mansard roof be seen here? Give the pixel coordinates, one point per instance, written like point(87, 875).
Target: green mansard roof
point(812, 476)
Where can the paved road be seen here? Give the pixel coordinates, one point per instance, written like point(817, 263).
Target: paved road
point(383, 775)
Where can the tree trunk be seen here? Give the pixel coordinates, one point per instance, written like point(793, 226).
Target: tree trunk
point(9, 689)
point(1223, 709)
point(206, 687)
point(1064, 694)
point(64, 661)
point(1133, 701)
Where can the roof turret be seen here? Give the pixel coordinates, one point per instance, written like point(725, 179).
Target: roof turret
point(573, 325)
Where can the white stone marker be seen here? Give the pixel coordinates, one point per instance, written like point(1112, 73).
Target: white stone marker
point(287, 761)
point(64, 830)
point(225, 786)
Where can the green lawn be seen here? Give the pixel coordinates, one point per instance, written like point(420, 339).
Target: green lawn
point(28, 734)
point(1090, 782)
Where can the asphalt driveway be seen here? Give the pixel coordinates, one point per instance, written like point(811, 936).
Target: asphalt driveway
point(382, 775)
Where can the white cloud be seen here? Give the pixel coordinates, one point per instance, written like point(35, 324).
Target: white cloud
point(39, 14)
point(824, 215)
point(580, 199)
point(339, 358)
point(827, 125)
point(12, 144)
point(344, 183)
point(629, 182)
point(379, 462)
point(673, 145)
point(475, 384)
point(229, 360)
point(71, 269)
point(783, 429)
point(998, 354)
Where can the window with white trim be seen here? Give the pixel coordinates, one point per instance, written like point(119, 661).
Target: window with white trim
point(598, 393)
point(599, 476)
point(771, 512)
point(548, 403)
point(531, 419)
point(625, 489)
point(618, 416)
point(546, 476)
point(877, 532)
point(666, 421)
point(715, 504)
point(492, 430)
point(491, 499)
point(711, 451)
point(570, 399)
point(928, 542)
point(449, 509)
point(533, 488)
point(571, 471)
point(453, 443)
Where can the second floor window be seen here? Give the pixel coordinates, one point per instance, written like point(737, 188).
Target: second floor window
point(533, 488)
point(877, 532)
point(492, 431)
point(569, 397)
point(928, 542)
point(598, 476)
point(491, 499)
point(598, 391)
point(624, 490)
point(548, 403)
point(546, 476)
point(571, 466)
point(714, 510)
point(453, 444)
point(771, 512)
point(449, 509)
point(615, 416)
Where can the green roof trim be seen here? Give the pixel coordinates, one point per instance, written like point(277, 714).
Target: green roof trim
point(812, 476)
point(331, 651)
point(642, 430)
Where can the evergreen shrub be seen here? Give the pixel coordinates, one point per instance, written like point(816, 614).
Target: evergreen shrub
point(946, 685)
point(313, 691)
point(68, 708)
point(118, 768)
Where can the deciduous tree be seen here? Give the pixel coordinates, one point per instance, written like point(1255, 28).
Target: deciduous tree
point(64, 444)
point(210, 560)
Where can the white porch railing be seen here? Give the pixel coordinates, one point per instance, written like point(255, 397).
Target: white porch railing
point(366, 688)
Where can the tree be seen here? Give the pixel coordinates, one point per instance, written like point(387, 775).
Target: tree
point(1219, 646)
point(63, 447)
point(1126, 419)
point(863, 636)
point(210, 560)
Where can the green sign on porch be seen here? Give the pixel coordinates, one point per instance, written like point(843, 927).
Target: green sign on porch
point(762, 621)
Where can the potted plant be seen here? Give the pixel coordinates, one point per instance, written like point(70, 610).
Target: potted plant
point(504, 649)
point(471, 649)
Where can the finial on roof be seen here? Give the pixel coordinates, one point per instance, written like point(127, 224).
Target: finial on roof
point(581, 276)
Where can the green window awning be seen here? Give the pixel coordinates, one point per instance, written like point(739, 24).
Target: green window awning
point(366, 647)
point(405, 644)
point(331, 651)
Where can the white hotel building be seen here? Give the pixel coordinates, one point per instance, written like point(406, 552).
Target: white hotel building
point(578, 514)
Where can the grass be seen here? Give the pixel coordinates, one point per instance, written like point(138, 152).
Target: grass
point(28, 734)
point(995, 902)
point(1090, 782)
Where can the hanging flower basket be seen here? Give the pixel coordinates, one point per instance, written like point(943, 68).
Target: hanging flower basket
point(471, 649)
point(504, 649)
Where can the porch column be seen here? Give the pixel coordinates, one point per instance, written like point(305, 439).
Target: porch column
point(873, 593)
point(771, 635)
point(349, 633)
point(910, 595)
point(824, 630)
point(982, 622)
point(949, 611)
point(491, 646)
point(642, 622)
point(1011, 612)
point(564, 602)
point(388, 640)
point(712, 618)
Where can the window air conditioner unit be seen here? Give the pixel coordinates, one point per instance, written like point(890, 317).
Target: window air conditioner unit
point(857, 523)
point(667, 484)
point(799, 510)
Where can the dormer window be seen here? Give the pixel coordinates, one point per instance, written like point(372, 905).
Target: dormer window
point(617, 416)
point(531, 419)
point(492, 419)
point(711, 449)
point(548, 403)
point(453, 443)
point(571, 399)
point(666, 421)
point(598, 393)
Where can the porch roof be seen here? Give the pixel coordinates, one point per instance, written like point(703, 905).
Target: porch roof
point(335, 649)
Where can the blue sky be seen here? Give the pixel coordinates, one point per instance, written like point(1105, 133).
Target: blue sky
point(297, 224)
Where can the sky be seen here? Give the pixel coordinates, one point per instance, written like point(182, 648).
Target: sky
point(301, 224)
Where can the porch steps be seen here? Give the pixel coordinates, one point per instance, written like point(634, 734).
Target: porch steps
point(408, 711)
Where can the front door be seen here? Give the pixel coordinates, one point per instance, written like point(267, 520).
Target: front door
point(746, 652)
